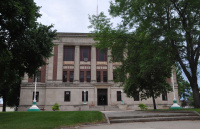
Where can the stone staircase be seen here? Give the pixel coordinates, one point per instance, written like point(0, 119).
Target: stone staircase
point(155, 116)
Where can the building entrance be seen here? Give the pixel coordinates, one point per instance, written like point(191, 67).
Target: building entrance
point(102, 98)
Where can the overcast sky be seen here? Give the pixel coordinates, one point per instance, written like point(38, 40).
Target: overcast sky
point(70, 15)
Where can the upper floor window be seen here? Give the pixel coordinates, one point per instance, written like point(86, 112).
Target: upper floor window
point(68, 76)
point(85, 53)
point(68, 53)
point(85, 76)
point(101, 55)
point(102, 76)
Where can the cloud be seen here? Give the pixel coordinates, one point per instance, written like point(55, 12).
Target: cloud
point(70, 15)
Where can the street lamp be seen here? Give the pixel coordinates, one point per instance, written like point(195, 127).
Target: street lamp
point(175, 105)
point(84, 97)
point(34, 106)
point(121, 98)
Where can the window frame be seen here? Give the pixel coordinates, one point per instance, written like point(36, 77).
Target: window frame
point(119, 96)
point(67, 99)
point(66, 49)
point(68, 71)
point(99, 54)
point(82, 51)
point(102, 73)
point(37, 96)
point(136, 97)
point(164, 96)
point(83, 96)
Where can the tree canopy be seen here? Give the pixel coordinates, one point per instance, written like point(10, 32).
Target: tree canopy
point(172, 24)
point(24, 43)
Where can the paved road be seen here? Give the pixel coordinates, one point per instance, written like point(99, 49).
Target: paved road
point(148, 125)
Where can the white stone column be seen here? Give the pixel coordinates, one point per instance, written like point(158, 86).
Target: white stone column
point(93, 65)
point(77, 64)
point(25, 80)
point(49, 71)
point(60, 62)
point(110, 67)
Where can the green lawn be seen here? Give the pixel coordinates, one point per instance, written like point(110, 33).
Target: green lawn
point(47, 120)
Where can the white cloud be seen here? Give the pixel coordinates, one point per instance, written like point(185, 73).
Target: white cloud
point(70, 15)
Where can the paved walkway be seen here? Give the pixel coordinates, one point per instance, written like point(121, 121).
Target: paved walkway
point(149, 125)
point(143, 125)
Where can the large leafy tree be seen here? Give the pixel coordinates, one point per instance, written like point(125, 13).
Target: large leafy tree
point(144, 67)
point(24, 44)
point(175, 22)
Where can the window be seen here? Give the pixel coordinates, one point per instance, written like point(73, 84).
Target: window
point(81, 76)
point(164, 96)
point(37, 96)
point(114, 75)
point(136, 97)
point(102, 76)
point(67, 95)
point(64, 76)
point(88, 76)
point(85, 75)
point(71, 78)
point(68, 76)
point(119, 97)
point(83, 96)
point(68, 53)
point(98, 76)
point(38, 75)
point(101, 55)
point(85, 53)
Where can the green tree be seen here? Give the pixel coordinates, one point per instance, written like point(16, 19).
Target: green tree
point(175, 23)
point(144, 67)
point(24, 44)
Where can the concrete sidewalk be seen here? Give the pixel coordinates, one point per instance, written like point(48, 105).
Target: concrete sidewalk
point(149, 125)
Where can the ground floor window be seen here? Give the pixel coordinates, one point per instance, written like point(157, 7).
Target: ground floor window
point(67, 96)
point(37, 96)
point(164, 96)
point(83, 96)
point(136, 97)
point(119, 97)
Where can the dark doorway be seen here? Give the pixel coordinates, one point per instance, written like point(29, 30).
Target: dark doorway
point(102, 98)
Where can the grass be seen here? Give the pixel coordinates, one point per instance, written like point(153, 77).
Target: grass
point(48, 120)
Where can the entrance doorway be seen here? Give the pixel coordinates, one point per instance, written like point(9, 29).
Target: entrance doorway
point(102, 98)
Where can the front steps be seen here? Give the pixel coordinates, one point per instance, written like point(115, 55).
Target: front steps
point(155, 116)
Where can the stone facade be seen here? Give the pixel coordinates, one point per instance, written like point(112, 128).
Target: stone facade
point(101, 95)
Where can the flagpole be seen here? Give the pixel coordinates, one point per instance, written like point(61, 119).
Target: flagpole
point(34, 106)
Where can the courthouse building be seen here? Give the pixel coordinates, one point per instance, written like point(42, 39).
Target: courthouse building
point(80, 77)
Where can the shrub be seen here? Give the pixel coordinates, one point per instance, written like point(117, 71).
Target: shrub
point(55, 107)
point(142, 106)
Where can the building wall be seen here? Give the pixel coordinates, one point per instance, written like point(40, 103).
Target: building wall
point(52, 88)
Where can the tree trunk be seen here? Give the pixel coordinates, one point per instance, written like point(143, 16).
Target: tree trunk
point(196, 97)
point(4, 103)
point(154, 102)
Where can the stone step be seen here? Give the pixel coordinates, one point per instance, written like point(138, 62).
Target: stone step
point(150, 119)
point(156, 115)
